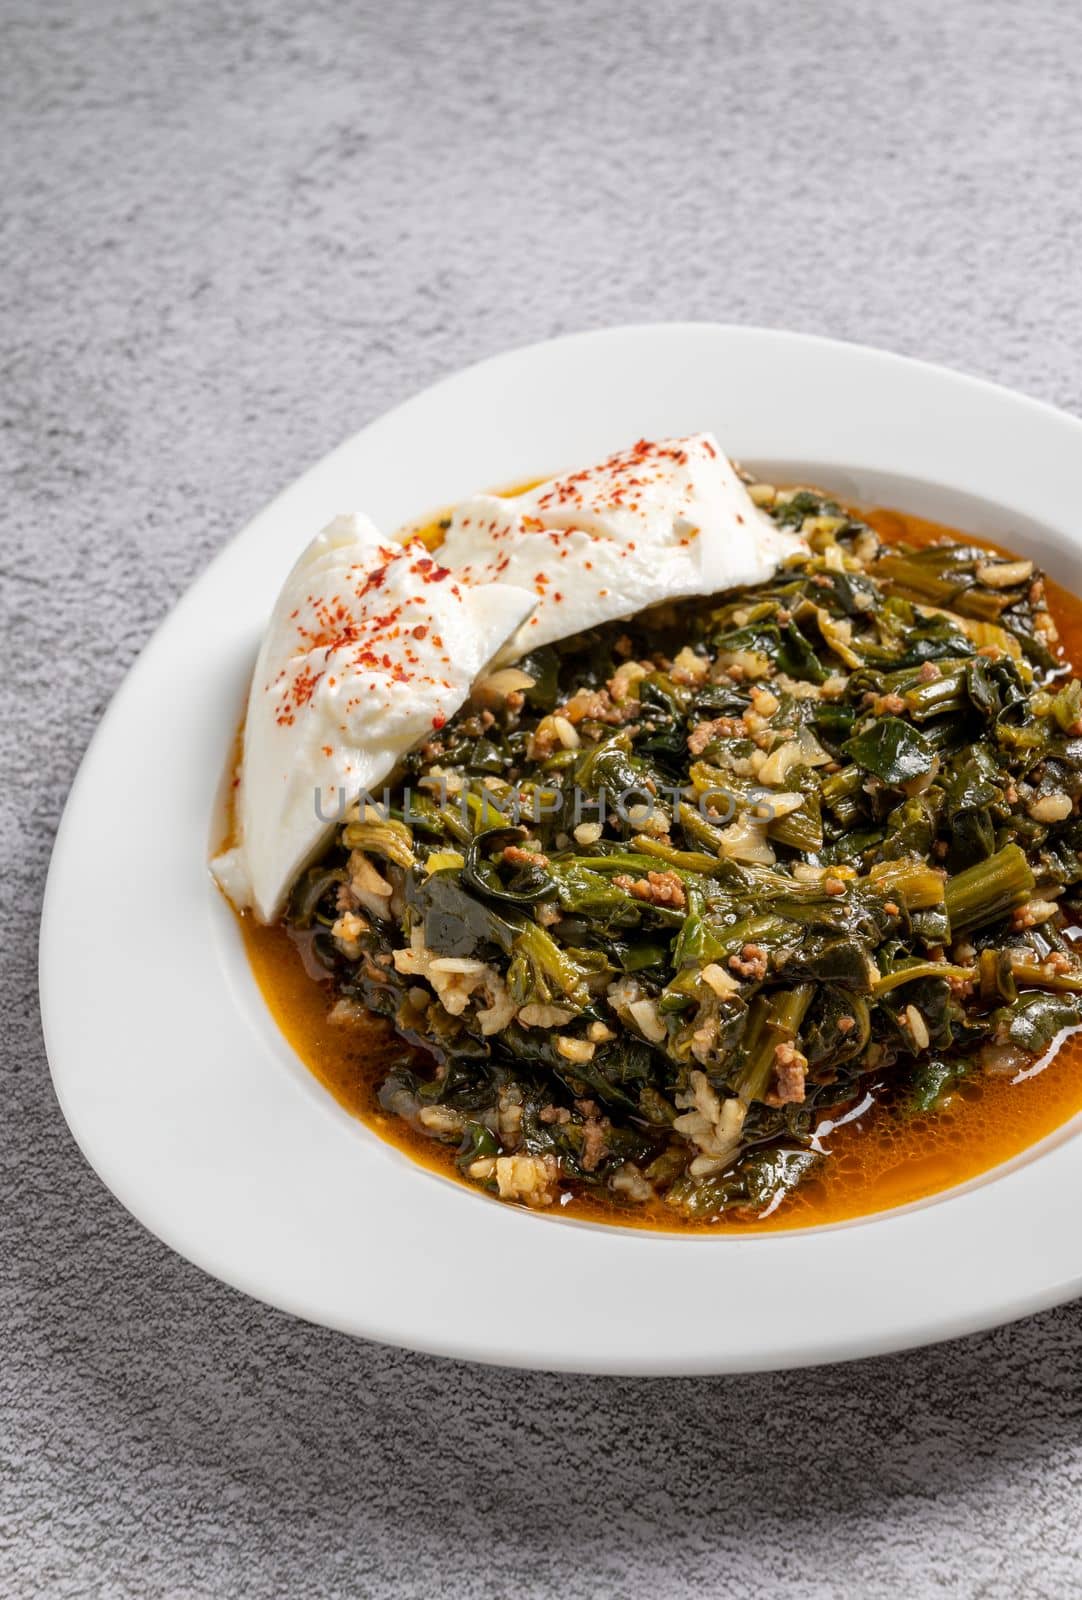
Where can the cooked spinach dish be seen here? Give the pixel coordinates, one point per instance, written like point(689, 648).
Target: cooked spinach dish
point(666, 895)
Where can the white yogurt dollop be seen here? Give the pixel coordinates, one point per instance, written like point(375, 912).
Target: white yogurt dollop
point(659, 521)
point(372, 646)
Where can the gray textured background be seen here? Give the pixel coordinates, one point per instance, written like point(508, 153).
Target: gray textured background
point(232, 234)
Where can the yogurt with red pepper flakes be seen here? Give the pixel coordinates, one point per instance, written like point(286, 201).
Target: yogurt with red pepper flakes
point(660, 521)
point(374, 644)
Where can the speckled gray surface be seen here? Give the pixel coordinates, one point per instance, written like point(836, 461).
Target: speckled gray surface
point(232, 234)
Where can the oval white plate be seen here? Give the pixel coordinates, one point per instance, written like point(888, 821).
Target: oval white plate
point(187, 1101)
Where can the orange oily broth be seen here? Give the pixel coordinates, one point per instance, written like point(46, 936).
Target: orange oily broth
point(876, 1161)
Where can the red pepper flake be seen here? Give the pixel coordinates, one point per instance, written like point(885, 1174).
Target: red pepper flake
point(304, 686)
point(438, 722)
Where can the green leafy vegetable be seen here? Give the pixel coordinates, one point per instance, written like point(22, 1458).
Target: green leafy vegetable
point(892, 751)
point(713, 874)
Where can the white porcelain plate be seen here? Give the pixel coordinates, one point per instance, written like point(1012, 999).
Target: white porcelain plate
point(197, 1114)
